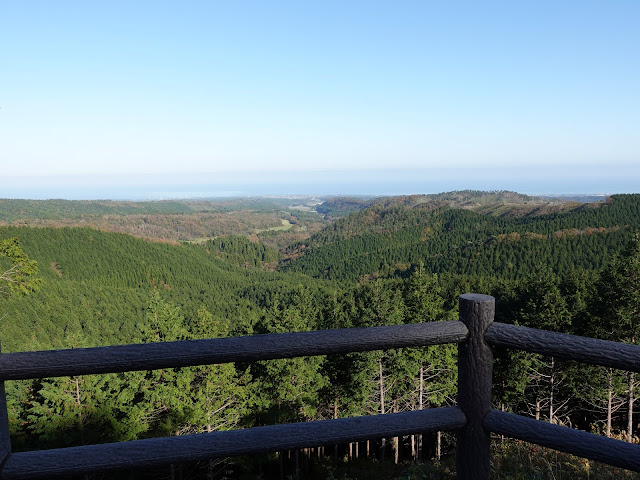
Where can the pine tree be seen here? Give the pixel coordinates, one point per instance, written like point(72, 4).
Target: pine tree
point(288, 389)
point(620, 309)
point(436, 367)
point(220, 393)
point(17, 271)
point(545, 307)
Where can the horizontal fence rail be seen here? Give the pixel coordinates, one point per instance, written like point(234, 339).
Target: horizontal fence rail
point(158, 451)
point(150, 356)
point(565, 439)
point(624, 356)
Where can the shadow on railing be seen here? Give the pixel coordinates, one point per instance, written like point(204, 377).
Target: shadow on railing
point(473, 418)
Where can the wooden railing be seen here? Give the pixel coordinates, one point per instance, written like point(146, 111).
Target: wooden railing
point(473, 419)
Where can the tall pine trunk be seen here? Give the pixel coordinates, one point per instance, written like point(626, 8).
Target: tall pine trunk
point(414, 453)
point(384, 441)
point(396, 440)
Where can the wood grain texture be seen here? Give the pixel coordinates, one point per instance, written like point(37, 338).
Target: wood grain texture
point(570, 347)
point(475, 367)
point(149, 356)
point(583, 444)
point(159, 451)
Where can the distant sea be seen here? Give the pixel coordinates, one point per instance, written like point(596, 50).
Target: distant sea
point(543, 180)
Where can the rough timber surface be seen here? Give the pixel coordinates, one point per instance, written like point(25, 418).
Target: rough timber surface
point(149, 356)
point(475, 366)
point(160, 451)
point(623, 356)
point(565, 439)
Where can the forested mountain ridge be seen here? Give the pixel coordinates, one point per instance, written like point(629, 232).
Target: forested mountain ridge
point(56, 209)
point(499, 203)
point(17, 209)
point(395, 234)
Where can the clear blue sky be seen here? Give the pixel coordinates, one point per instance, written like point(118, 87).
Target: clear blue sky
point(202, 87)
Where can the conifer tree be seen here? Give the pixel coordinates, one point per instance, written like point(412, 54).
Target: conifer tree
point(620, 310)
point(220, 393)
point(288, 389)
point(544, 307)
point(436, 367)
point(17, 271)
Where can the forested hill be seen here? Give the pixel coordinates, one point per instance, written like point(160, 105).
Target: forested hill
point(57, 209)
point(499, 203)
point(97, 287)
point(392, 235)
point(14, 209)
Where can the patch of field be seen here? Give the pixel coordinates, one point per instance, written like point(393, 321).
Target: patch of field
point(303, 208)
point(201, 240)
point(286, 225)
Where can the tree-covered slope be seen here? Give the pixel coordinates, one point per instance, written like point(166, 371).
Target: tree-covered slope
point(394, 235)
point(498, 203)
point(57, 209)
point(15, 209)
point(97, 285)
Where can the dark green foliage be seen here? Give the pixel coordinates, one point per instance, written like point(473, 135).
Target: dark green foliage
point(17, 271)
point(341, 206)
point(11, 210)
point(389, 238)
point(97, 284)
point(241, 251)
point(621, 287)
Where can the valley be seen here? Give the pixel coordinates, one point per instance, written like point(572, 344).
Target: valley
point(117, 273)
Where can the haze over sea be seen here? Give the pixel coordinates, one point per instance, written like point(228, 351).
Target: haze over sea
point(544, 180)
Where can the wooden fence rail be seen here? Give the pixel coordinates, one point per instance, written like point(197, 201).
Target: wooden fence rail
point(473, 419)
point(150, 356)
point(202, 446)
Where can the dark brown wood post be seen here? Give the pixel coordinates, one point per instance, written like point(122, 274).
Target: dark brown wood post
point(475, 366)
point(5, 441)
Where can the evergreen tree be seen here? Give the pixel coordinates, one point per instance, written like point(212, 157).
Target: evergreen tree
point(288, 389)
point(436, 367)
point(220, 393)
point(17, 271)
point(620, 310)
point(544, 307)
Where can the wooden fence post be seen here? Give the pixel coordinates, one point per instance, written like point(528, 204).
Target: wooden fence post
point(5, 440)
point(475, 366)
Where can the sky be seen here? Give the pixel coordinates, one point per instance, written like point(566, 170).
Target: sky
point(208, 96)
